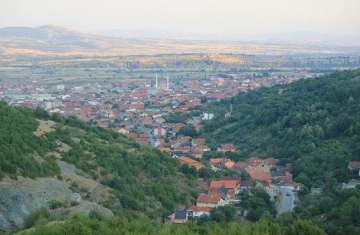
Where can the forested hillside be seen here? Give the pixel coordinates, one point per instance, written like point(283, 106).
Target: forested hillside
point(313, 124)
point(143, 181)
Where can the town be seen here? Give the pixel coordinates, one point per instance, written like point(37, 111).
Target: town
point(163, 113)
point(158, 113)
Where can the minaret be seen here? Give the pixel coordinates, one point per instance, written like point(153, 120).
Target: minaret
point(156, 82)
point(167, 83)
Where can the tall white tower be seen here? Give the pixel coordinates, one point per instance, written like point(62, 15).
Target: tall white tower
point(156, 82)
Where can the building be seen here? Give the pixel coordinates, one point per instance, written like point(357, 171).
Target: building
point(179, 217)
point(228, 184)
point(354, 167)
point(197, 212)
point(191, 162)
point(212, 200)
point(159, 131)
point(260, 176)
point(227, 148)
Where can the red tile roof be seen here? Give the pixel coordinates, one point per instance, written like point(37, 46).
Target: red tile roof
point(259, 175)
point(213, 198)
point(200, 209)
point(191, 162)
point(226, 183)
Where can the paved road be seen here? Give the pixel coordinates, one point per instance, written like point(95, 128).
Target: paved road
point(287, 200)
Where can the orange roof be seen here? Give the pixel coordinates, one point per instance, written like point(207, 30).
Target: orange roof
point(213, 198)
point(226, 183)
point(255, 161)
point(229, 163)
point(200, 209)
point(260, 175)
point(216, 160)
point(228, 148)
point(191, 162)
point(165, 149)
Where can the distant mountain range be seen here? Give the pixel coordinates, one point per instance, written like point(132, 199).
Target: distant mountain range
point(54, 40)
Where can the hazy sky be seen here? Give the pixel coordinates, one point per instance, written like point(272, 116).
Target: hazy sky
point(220, 18)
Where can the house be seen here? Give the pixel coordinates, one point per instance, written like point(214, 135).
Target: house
point(281, 175)
point(246, 185)
point(260, 175)
point(159, 131)
point(351, 184)
point(241, 166)
point(164, 149)
point(229, 184)
point(227, 148)
point(181, 151)
point(179, 217)
point(207, 116)
point(354, 166)
point(197, 212)
point(198, 141)
point(217, 163)
point(229, 164)
point(197, 152)
point(211, 200)
point(191, 162)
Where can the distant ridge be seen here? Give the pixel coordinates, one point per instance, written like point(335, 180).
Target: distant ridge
point(55, 40)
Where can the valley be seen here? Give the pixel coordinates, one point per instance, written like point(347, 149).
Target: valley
point(102, 135)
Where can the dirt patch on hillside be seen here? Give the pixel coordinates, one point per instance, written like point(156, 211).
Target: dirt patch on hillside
point(45, 127)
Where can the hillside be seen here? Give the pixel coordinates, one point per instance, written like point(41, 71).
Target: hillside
point(49, 161)
point(289, 122)
point(314, 125)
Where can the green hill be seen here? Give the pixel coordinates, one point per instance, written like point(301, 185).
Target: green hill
point(143, 181)
point(314, 124)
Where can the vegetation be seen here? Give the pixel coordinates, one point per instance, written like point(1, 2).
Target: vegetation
point(144, 181)
point(87, 226)
point(188, 130)
point(21, 152)
point(257, 203)
point(314, 124)
point(223, 214)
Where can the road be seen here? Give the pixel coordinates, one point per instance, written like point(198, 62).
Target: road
point(286, 200)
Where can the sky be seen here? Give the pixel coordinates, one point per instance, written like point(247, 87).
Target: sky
point(212, 19)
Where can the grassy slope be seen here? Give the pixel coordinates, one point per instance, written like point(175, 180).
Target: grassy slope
point(144, 180)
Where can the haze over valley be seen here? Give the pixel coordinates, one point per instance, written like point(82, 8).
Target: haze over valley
point(179, 117)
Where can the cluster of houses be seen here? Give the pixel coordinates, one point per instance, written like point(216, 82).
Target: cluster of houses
point(219, 193)
point(137, 108)
point(263, 173)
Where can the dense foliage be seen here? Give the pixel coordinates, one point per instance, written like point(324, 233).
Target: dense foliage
point(257, 204)
point(87, 226)
point(314, 124)
point(21, 152)
point(144, 181)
